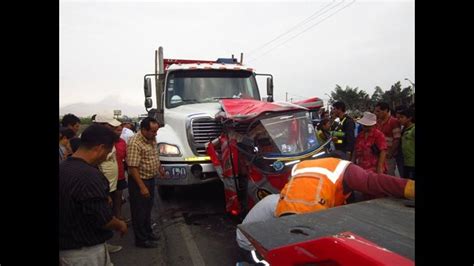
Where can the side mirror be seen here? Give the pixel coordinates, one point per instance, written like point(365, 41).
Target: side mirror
point(270, 88)
point(147, 87)
point(148, 103)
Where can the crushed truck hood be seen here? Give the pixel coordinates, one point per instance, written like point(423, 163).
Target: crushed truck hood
point(245, 109)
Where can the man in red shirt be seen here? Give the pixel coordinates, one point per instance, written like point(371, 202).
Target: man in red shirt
point(370, 146)
point(391, 128)
point(121, 154)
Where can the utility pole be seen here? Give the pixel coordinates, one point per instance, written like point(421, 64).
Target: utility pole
point(286, 97)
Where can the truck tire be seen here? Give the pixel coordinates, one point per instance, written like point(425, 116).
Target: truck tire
point(165, 192)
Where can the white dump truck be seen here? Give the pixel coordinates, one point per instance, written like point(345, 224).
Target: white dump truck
point(187, 100)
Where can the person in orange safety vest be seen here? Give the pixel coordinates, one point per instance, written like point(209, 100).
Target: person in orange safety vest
point(328, 182)
point(319, 184)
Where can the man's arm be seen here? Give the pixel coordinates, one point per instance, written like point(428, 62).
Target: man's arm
point(378, 185)
point(95, 207)
point(133, 161)
point(381, 161)
point(394, 149)
point(396, 133)
point(117, 225)
point(382, 145)
point(135, 173)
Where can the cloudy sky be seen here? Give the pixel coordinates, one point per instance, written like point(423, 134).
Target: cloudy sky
point(107, 46)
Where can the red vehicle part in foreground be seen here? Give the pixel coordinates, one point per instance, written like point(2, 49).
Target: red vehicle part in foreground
point(374, 232)
point(343, 249)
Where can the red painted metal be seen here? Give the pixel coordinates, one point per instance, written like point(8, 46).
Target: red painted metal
point(313, 103)
point(280, 180)
point(169, 62)
point(240, 110)
point(342, 249)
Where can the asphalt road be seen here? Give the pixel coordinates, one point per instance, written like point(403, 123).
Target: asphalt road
point(194, 230)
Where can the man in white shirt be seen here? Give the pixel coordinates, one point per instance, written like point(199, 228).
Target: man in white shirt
point(127, 131)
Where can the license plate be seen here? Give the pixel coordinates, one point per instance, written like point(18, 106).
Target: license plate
point(174, 172)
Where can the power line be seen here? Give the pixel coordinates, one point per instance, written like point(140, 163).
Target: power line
point(302, 31)
point(338, 4)
point(312, 17)
point(294, 27)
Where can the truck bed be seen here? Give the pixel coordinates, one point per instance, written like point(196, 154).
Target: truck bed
point(387, 222)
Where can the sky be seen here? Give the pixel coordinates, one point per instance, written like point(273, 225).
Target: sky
point(106, 47)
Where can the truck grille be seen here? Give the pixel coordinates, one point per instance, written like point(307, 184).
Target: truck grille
point(204, 130)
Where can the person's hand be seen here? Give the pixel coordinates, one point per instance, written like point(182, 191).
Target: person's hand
point(122, 228)
point(161, 169)
point(144, 191)
point(109, 200)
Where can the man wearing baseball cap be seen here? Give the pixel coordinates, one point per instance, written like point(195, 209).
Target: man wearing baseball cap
point(107, 120)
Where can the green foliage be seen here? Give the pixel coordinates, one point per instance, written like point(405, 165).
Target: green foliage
point(86, 120)
point(359, 101)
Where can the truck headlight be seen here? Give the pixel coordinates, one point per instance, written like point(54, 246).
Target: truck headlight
point(168, 149)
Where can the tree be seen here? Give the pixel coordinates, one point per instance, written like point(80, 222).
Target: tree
point(359, 101)
point(377, 95)
point(86, 120)
point(364, 103)
point(407, 95)
point(355, 99)
point(397, 96)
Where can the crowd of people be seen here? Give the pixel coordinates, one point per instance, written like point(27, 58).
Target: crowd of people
point(94, 169)
point(382, 141)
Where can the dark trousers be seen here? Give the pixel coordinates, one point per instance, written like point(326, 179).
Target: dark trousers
point(409, 172)
point(140, 208)
point(400, 164)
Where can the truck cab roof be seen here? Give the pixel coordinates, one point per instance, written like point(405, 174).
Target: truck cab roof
point(215, 66)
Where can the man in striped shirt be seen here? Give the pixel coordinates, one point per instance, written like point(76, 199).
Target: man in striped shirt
point(85, 212)
point(391, 128)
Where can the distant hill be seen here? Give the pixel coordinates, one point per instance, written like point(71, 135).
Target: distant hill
point(105, 106)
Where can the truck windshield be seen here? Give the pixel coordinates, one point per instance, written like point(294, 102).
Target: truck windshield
point(202, 86)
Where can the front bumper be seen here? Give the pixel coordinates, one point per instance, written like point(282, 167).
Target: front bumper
point(181, 174)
